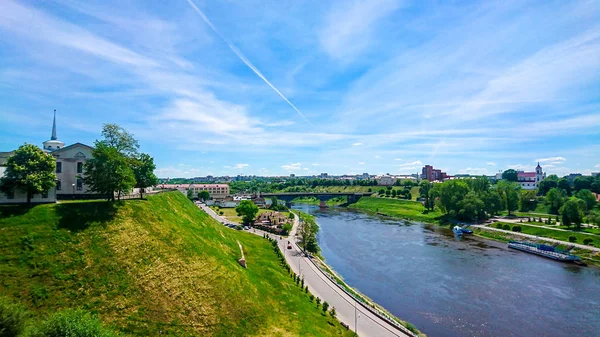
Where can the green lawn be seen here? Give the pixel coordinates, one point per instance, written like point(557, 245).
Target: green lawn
point(405, 209)
point(232, 216)
point(548, 232)
point(316, 201)
point(145, 266)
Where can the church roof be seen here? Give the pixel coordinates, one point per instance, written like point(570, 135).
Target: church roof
point(72, 146)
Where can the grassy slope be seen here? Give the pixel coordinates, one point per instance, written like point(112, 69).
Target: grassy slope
point(361, 189)
point(397, 208)
point(231, 214)
point(144, 266)
point(554, 234)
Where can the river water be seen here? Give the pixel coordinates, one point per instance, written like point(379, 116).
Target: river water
point(457, 287)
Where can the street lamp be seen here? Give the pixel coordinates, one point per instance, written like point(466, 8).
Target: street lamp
point(73, 190)
point(356, 317)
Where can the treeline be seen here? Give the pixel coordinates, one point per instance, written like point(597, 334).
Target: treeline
point(303, 184)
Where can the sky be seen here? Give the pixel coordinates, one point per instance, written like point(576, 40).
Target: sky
point(279, 87)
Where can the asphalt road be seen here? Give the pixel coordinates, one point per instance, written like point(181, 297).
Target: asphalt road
point(348, 310)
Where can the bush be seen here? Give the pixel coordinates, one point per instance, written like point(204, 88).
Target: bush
point(516, 228)
point(572, 238)
point(12, 318)
point(506, 227)
point(325, 306)
point(499, 225)
point(76, 323)
point(318, 302)
point(587, 241)
point(332, 312)
point(311, 297)
point(221, 212)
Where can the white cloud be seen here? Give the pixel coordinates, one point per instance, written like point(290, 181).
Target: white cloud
point(551, 160)
point(357, 144)
point(361, 163)
point(597, 166)
point(491, 163)
point(377, 157)
point(348, 28)
point(315, 164)
point(398, 159)
point(412, 164)
point(474, 171)
point(237, 166)
point(280, 123)
point(519, 167)
point(292, 167)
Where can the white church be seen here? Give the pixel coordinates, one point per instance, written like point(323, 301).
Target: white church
point(69, 169)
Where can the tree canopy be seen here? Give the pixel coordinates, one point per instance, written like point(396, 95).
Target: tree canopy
point(555, 198)
point(247, 210)
point(30, 169)
point(203, 195)
point(508, 190)
point(510, 175)
point(547, 184)
point(572, 212)
point(143, 170)
point(588, 197)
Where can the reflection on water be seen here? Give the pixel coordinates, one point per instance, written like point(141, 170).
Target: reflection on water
point(450, 286)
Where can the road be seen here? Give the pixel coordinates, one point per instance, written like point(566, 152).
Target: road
point(594, 249)
point(348, 310)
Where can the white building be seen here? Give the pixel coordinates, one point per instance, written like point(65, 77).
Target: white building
point(216, 191)
point(386, 180)
point(69, 171)
point(530, 180)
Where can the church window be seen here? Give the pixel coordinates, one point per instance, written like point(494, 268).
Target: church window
point(80, 167)
point(58, 167)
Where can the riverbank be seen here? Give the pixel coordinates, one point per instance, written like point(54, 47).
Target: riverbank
point(410, 210)
point(315, 201)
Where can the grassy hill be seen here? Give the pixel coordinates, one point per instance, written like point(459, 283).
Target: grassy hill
point(145, 266)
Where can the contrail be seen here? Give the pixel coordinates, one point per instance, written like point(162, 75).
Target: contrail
point(244, 59)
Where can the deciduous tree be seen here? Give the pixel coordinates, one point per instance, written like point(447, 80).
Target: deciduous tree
point(143, 170)
point(588, 197)
point(510, 175)
point(108, 171)
point(555, 199)
point(247, 210)
point(572, 212)
point(508, 190)
point(547, 184)
point(203, 195)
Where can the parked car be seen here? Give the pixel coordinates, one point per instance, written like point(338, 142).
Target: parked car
point(289, 246)
point(345, 325)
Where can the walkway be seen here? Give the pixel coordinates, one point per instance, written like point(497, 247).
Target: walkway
point(348, 309)
point(594, 249)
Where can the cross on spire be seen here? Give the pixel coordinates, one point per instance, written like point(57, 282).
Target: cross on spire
point(54, 127)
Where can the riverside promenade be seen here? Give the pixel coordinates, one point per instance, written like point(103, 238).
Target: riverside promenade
point(349, 310)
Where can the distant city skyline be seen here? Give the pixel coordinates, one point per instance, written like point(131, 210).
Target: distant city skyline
point(275, 88)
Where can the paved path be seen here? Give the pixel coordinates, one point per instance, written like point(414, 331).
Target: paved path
point(347, 308)
point(594, 249)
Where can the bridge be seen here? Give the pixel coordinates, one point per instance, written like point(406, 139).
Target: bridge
point(323, 196)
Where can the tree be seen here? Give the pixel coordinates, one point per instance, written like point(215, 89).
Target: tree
point(325, 306)
point(451, 193)
point(203, 195)
point(108, 171)
point(547, 184)
point(555, 199)
point(510, 175)
point(563, 184)
point(508, 190)
point(394, 193)
point(29, 169)
point(471, 207)
point(588, 197)
point(143, 170)
point(190, 194)
point(123, 141)
point(247, 210)
point(583, 183)
point(424, 194)
point(572, 212)
point(493, 202)
point(527, 200)
point(595, 186)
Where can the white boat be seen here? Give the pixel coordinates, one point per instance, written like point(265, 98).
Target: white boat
point(457, 230)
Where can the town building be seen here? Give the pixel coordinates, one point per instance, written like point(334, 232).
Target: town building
point(530, 180)
point(386, 180)
point(69, 172)
point(431, 174)
point(216, 191)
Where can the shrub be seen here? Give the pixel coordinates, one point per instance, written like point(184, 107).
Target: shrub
point(221, 212)
point(587, 241)
point(572, 238)
point(411, 328)
point(506, 227)
point(76, 323)
point(332, 312)
point(311, 297)
point(499, 225)
point(325, 307)
point(516, 228)
point(318, 302)
point(12, 318)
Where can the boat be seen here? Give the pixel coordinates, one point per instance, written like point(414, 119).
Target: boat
point(545, 250)
point(457, 230)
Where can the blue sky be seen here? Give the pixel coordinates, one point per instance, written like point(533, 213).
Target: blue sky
point(278, 87)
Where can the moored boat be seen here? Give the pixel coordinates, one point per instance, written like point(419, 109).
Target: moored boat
point(544, 250)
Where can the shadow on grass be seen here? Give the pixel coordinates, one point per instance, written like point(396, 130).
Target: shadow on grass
point(79, 216)
point(13, 210)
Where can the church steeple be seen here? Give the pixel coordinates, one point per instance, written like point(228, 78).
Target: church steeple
point(54, 127)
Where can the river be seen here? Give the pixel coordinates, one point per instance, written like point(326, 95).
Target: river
point(457, 287)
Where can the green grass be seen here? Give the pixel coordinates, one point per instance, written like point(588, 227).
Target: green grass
point(316, 201)
point(399, 208)
point(145, 266)
point(548, 232)
point(232, 216)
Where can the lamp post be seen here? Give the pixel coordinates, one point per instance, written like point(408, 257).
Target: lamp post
point(73, 190)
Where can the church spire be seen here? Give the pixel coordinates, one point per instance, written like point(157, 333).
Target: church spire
point(54, 127)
